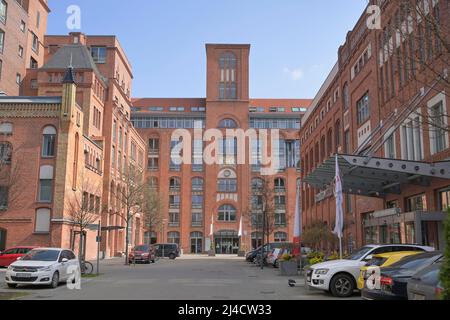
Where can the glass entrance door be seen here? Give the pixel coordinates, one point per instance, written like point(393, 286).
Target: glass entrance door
point(226, 242)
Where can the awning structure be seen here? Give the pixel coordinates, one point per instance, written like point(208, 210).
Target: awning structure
point(376, 177)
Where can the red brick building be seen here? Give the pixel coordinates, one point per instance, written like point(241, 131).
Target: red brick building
point(107, 144)
point(23, 25)
point(194, 195)
point(383, 109)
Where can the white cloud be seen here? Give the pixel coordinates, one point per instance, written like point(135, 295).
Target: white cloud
point(295, 74)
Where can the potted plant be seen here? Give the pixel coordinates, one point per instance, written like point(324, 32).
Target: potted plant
point(288, 265)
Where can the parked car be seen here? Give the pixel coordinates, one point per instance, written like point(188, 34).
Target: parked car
point(142, 253)
point(42, 266)
point(268, 247)
point(167, 250)
point(340, 276)
point(394, 279)
point(382, 260)
point(424, 285)
point(12, 254)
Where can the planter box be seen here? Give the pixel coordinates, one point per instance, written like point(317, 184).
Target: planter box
point(289, 268)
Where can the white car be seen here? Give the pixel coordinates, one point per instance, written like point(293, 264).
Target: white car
point(340, 276)
point(43, 266)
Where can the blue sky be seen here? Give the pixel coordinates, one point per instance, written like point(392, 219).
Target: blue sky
point(294, 42)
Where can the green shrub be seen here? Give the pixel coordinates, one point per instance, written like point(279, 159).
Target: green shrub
point(287, 257)
point(333, 256)
point(315, 260)
point(445, 271)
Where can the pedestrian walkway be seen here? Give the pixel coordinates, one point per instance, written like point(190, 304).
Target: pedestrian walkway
point(207, 257)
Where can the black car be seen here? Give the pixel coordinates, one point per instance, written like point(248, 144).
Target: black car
point(167, 250)
point(394, 279)
point(425, 284)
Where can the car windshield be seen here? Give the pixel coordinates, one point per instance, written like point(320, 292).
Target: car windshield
point(141, 248)
point(359, 254)
point(414, 262)
point(42, 255)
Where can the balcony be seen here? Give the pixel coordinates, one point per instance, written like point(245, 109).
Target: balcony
point(280, 190)
point(174, 206)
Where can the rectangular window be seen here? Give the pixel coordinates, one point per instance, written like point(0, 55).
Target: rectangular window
point(444, 199)
point(42, 224)
point(18, 78)
point(390, 147)
point(438, 128)
point(20, 51)
point(45, 190)
point(98, 54)
point(48, 145)
point(197, 201)
point(23, 26)
point(3, 11)
point(3, 197)
point(153, 146)
point(153, 164)
point(416, 203)
point(35, 43)
point(363, 109)
point(411, 135)
point(2, 40)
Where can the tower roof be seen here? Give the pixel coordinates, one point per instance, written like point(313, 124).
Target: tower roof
point(69, 76)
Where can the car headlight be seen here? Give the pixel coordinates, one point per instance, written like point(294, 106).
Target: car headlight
point(321, 271)
point(10, 268)
point(45, 269)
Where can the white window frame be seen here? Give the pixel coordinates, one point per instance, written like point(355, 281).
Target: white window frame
point(439, 98)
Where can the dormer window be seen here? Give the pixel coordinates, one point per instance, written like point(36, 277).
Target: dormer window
point(227, 84)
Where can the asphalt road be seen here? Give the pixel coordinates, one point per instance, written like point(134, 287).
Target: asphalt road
point(187, 278)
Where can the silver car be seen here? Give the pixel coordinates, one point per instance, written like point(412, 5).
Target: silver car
point(424, 284)
point(43, 266)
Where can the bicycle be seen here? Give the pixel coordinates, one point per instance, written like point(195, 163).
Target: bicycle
point(86, 267)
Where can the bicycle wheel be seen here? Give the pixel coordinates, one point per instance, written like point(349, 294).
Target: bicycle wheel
point(88, 268)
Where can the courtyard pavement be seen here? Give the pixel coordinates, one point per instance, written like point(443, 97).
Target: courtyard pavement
point(186, 278)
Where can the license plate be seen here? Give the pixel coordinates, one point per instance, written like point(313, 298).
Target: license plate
point(418, 297)
point(23, 275)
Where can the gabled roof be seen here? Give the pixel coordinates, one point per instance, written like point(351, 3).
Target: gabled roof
point(75, 55)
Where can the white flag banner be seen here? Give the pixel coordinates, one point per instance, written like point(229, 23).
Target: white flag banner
point(211, 232)
point(240, 234)
point(338, 230)
point(298, 216)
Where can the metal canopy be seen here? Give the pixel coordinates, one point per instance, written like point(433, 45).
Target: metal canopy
point(376, 177)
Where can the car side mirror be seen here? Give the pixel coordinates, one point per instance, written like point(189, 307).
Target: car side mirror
point(369, 257)
point(65, 260)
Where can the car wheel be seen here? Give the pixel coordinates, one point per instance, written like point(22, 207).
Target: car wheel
point(172, 256)
point(342, 286)
point(12, 285)
point(55, 280)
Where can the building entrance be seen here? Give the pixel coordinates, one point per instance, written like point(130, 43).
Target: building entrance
point(226, 242)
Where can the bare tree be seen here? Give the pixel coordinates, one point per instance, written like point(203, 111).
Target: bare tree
point(152, 209)
point(11, 165)
point(84, 208)
point(131, 197)
point(262, 210)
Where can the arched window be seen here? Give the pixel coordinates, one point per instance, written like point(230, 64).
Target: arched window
point(280, 185)
point(330, 141)
point(227, 124)
point(338, 135)
point(197, 184)
point(227, 213)
point(48, 142)
point(227, 84)
point(5, 152)
point(173, 237)
point(345, 96)
point(45, 184)
point(280, 237)
point(322, 148)
point(175, 184)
